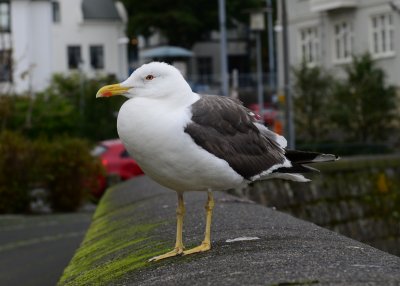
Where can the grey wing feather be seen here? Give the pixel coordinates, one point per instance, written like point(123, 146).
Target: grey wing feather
point(227, 129)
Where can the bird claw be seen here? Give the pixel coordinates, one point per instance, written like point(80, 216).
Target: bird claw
point(204, 246)
point(172, 253)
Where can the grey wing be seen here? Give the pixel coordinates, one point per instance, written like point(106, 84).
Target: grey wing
point(227, 129)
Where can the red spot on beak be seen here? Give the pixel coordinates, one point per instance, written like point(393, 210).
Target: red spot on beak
point(107, 94)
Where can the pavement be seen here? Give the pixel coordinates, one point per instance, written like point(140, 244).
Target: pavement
point(136, 220)
point(34, 250)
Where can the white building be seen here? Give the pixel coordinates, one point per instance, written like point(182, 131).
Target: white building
point(41, 37)
point(328, 33)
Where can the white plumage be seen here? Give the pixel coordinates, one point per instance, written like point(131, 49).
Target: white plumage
point(169, 155)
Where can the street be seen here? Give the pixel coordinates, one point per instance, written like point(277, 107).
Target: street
point(34, 250)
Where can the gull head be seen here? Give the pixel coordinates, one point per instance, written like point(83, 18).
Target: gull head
point(153, 80)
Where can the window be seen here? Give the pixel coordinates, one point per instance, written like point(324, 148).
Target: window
point(97, 57)
point(343, 41)
point(5, 66)
point(309, 45)
point(204, 65)
point(204, 69)
point(382, 36)
point(56, 11)
point(4, 16)
point(74, 57)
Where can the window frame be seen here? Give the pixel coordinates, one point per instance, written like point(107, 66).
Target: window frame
point(313, 42)
point(6, 61)
point(68, 57)
point(346, 46)
point(377, 46)
point(8, 27)
point(92, 47)
point(56, 11)
point(204, 68)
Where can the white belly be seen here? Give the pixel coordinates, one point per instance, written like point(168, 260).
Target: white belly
point(156, 139)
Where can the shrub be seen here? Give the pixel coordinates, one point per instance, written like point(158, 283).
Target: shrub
point(313, 94)
point(364, 106)
point(63, 166)
point(69, 172)
point(16, 160)
point(94, 118)
point(67, 107)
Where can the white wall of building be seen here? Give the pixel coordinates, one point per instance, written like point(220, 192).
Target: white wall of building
point(73, 30)
point(30, 32)
point(40, 46)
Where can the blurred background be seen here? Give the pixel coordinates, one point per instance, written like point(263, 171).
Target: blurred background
point(326, 74)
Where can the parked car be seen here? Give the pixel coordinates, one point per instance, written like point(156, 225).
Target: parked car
point(118, 164)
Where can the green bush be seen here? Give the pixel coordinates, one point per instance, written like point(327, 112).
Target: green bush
point(63, 166)
point(44, 116)
point(70, 173)
point(94, 119)
point(364, 106)
point(16, 161)
point(68, 107)
point(313, 95)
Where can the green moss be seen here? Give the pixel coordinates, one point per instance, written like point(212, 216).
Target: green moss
point(110, 271)
point(114, 253)
point(115, 244)
point(104, 205)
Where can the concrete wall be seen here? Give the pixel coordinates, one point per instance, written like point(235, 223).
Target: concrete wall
point(136, 220)
point(359, 198)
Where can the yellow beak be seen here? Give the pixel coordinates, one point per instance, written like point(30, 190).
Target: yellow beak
point(111, 90)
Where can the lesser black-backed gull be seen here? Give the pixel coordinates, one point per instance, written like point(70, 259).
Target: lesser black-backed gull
point(191, 142)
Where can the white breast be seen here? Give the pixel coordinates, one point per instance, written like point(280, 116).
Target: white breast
point(154, 135)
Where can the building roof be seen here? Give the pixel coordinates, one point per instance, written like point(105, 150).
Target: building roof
point(99, 10)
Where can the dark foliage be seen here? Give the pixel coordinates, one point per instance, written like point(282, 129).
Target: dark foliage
point(364, 107)
point(67, 107)
point(182, 22)
point(313, 95)
point(63, 166)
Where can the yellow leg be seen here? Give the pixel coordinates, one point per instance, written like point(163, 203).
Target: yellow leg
point(180, 212)
point(206, 244)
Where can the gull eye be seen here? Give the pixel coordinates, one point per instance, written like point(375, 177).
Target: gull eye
point(149, 77)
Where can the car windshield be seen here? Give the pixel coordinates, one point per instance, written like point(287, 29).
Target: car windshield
point(98, 150)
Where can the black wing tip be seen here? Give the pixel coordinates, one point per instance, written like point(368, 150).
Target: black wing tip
point(325, 158)
point(304, 157)
point(297, 169)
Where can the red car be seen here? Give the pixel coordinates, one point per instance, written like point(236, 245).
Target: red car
point(117, 163)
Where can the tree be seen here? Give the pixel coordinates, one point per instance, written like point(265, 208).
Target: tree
point(364, 106)
point(313, 90)
point(182, 22)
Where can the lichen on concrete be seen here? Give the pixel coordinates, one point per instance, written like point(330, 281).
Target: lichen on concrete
point(118, 241)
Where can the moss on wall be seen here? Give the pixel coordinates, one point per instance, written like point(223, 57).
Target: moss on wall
point(117, 242)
